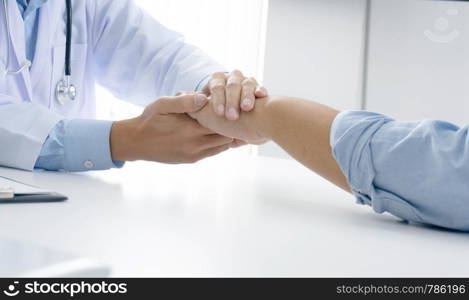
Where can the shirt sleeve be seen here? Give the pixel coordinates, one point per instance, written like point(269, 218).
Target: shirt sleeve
point(417, 171)
point(78, 145)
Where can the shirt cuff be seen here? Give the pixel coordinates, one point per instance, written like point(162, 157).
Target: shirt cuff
point(86, 146)
point(350, 138)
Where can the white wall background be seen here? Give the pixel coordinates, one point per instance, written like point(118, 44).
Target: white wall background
point(418, 64)
point(315, 50)
point(404, 58)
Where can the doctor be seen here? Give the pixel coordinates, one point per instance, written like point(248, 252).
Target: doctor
point(54, 51)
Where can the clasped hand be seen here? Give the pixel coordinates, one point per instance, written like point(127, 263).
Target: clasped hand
point(189, 127)
point(241, 130)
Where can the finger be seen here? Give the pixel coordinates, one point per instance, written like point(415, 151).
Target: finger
point(214, 140)
point(233, 95)
point(184, 103)
point(261, 92)
point(248, 94)
point(213, 151)
point(217, 92)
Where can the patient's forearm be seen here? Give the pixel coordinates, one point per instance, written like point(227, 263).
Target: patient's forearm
point(302, 128)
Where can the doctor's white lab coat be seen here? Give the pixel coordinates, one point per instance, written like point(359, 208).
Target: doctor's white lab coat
point(114, 43)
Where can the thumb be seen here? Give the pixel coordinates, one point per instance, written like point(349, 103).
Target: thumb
point(183, 103)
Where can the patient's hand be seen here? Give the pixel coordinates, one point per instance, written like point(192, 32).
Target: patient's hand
point(242, 129)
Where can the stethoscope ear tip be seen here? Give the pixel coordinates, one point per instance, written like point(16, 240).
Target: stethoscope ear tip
point(25, 65)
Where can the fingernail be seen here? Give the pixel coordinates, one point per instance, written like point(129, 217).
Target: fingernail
point(200, 99)
point(221, 109)
point(232, 113)
point(247, 102)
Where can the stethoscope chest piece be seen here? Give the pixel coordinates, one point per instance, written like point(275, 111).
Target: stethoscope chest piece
point(65, 91)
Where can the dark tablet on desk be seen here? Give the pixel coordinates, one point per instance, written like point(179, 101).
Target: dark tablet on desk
point(35, 198)
point(13, 191)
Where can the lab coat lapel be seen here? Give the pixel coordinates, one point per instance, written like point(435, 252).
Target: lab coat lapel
point(18, 55)
point(42, 47)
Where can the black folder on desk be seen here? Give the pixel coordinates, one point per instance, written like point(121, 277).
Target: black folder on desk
point(12, 191)
point(36, 198)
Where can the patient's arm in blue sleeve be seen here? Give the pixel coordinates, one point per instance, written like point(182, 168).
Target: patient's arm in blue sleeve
point(418, 171)
point(77, 145)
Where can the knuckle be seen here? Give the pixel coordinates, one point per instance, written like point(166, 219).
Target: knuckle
point(218, 75)
point(218, 87)
point(248, 82)
point(232, 85)
point(236, 73)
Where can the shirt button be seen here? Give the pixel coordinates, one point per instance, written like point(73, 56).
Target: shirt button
point(88, 164)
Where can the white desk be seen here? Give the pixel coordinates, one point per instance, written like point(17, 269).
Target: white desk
point(211, 219)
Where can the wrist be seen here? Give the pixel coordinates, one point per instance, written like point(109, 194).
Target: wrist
point(261, 118)
point(122, 140)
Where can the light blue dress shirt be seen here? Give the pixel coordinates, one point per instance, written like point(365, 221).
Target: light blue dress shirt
point(418, 171)
point(72, 145)
point(30, 15)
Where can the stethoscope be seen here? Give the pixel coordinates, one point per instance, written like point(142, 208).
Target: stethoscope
point(65, 91)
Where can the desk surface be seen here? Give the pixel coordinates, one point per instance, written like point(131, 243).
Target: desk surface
point(262, 217)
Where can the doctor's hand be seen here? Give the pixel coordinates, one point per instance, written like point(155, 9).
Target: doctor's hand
point(165, 133)
point(233, 93)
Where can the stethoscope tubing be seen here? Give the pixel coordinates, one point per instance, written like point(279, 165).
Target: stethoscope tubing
point(68, 41)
